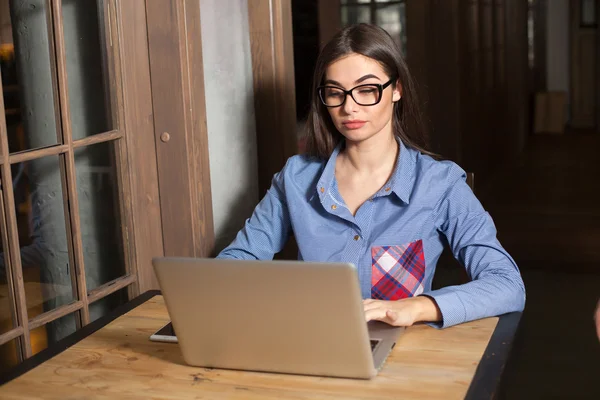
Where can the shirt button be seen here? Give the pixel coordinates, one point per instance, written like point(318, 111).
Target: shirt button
point(333, 207)
point(356, 237)
point(387, 189)
point(322, 190)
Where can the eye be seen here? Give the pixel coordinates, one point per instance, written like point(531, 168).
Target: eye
point(333, 93)
point(367, 90)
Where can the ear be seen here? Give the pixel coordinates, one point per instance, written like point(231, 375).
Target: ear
point(397, 93)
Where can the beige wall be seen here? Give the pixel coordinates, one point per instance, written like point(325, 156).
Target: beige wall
point(229, 115)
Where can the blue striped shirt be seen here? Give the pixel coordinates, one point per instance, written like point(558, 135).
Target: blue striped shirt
point(424, 200)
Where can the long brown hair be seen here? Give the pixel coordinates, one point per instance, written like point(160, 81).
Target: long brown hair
point(373, 42)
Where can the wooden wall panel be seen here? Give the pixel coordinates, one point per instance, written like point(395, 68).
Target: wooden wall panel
point(469, 58)
point(444, 97)
point(598, 68)
point(539, 71)
point(330, 19)
point(584, 67)
point(271, 45)
point(5, 24)
point(433, 55)
point(517, 70)
point(418, 34)
point(169, 105)
point(177, 82)
point(197, 137)
point(139, 126)
point(306, 30)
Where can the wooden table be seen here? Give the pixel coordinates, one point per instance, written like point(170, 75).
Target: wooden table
point(113, 358)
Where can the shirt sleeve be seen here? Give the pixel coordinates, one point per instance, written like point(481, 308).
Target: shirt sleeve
point(266, 232)
point(496, 287)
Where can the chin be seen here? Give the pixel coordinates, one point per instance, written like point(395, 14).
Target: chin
point(356, 135)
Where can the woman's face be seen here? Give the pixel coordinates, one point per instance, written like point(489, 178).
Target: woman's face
point(359, 122)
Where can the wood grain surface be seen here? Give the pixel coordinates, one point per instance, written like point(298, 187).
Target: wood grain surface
point(120, 361)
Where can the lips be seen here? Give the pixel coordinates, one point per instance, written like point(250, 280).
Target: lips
point(354, 124)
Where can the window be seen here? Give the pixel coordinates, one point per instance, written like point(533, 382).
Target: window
point(389, 14)
point(64, 219)
point(588, 13)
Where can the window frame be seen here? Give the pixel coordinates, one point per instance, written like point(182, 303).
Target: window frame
point(65, 150)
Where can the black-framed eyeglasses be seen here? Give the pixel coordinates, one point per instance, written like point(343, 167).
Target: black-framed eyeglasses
point(363, 95)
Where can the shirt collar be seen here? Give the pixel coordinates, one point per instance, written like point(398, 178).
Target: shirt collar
point(400, 183)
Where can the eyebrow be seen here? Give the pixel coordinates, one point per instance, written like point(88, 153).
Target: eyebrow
point(359, 80)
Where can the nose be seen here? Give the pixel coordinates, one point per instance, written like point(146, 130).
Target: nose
point(349, 105)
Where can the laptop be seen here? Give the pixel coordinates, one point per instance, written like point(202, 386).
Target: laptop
point(275, 316)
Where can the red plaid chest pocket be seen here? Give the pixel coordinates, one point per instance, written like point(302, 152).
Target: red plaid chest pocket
point(397, 271)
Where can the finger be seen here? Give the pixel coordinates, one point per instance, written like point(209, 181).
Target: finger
point(386, 315)
point(372, 306)
point(377, 314)
point(392, 316)
point(369, 301)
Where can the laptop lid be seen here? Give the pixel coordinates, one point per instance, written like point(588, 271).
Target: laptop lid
point(279, 316)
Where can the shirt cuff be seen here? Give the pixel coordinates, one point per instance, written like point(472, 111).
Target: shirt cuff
point(451, 307)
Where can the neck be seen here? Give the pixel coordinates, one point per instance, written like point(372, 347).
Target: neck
point(373, 155)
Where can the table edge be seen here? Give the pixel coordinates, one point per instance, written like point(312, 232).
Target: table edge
point(484, 384)
point(488, 375)
point(75, 337)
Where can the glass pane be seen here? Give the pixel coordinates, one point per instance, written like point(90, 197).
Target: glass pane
point(47, 335)
point(8, 356)
point(7, 307)
point(99, 213)
point(392, 18)
point(39, 203)
point(29, 91)
point(588, 12)
point(355, 15)
point(103, 306)
point(89, 80)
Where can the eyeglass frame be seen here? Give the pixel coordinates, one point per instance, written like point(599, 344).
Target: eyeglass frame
point(380, 88)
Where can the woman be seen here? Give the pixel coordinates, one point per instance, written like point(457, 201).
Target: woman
point(368, 192)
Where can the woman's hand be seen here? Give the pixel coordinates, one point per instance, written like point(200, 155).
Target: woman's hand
point(403, 312)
